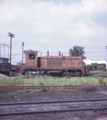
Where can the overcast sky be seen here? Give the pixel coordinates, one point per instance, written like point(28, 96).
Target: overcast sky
point(55, 25)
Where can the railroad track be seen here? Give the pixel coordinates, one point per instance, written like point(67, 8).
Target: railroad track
point(2, 88)
point(50, 109)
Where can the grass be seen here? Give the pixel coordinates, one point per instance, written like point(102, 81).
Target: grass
point(28, 90)
point(46, 81)
point(94, 71)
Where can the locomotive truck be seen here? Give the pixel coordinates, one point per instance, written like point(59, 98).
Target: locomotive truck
point(52, 65)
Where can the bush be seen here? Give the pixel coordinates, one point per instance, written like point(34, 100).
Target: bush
point(101, 82)
point(94, 66)
point(41, 84)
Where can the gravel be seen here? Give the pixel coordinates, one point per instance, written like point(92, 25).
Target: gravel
point(51, 96)
point(3, 76)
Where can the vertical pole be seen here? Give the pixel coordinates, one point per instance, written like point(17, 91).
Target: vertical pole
point(10, 48)
point(22, 51)
point(8, 52)
point(11, 35)
point(4, 52)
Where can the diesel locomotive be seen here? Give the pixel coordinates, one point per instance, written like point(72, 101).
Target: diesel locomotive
point(52, 65)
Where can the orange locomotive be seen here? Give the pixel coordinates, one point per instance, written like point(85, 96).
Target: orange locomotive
point(52, 65)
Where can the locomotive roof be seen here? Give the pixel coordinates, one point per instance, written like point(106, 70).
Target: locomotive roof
point(65, 57)
point(30, 51)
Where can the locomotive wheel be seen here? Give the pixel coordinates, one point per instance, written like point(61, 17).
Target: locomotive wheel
point(79, 74)
point(64, 74)
point(26, 72)
point(45, 74)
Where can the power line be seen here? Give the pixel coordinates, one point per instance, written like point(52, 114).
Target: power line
point(54, 53)
point(61, 47)
point(16, 53)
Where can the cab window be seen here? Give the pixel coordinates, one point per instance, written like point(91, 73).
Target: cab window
point(31, 56)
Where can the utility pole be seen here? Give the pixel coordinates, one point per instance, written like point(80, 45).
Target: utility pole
point(22, 51)
point(11, 36)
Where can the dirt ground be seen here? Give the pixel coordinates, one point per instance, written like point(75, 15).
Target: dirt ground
point(15, 96)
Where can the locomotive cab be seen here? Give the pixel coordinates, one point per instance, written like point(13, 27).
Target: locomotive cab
point(31, 58)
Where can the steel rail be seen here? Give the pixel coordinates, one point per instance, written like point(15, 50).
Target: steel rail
point(50, 102)
point(34, 87)
point(54, 111)
point(44, 87)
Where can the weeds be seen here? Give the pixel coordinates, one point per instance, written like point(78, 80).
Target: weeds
point(19, 91)
point(41, 84)
point(101, 80)
point(28, 90)
point(49, 81)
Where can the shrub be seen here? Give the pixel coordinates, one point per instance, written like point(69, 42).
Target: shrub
point(101, 82)
point(41, 84)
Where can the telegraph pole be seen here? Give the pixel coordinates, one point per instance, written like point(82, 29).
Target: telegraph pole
point(22, 51)
point(11, 36)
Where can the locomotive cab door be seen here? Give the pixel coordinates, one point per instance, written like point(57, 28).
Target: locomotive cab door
point(31, 58)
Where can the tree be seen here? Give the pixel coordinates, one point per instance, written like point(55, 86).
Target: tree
point(77, 51)
point(94, 66)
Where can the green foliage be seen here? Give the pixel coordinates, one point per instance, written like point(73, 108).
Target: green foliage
point(77, 51)
point(31, 76)
point(41, 84)
point(19, 91)
point(94, 66)
point(27, 90)
point(101, 82)
point(42, 81)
